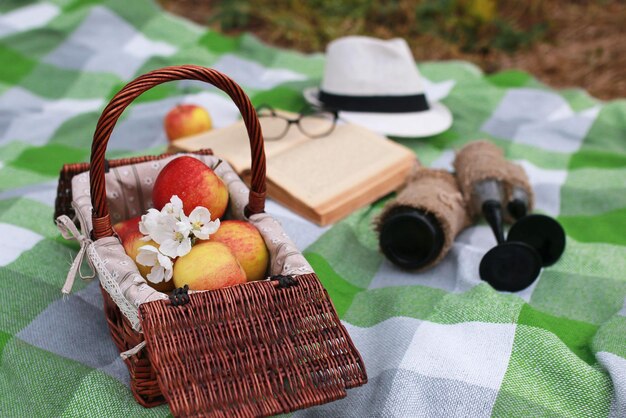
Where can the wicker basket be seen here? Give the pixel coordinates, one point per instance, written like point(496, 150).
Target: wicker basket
point(255, 349)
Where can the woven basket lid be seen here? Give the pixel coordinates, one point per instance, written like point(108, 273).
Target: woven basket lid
point(251, 350)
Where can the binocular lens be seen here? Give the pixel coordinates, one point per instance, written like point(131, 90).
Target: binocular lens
point(411, 239)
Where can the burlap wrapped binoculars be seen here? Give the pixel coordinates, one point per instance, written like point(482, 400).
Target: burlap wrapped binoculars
point(418, 227)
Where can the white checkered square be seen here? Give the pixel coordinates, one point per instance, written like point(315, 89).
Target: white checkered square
point(15, 240)
point(104, 42)
point(473, 352)
point(541, 119)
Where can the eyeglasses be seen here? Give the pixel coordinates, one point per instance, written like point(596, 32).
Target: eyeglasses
point(314, 123)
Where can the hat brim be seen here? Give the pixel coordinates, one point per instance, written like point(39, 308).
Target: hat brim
point(406, 125)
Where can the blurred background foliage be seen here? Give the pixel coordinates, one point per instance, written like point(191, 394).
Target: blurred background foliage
point(472, 25)
point(564, 43)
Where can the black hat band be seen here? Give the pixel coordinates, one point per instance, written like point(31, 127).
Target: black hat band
point(375, 104)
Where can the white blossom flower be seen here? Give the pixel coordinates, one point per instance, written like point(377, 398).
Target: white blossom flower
point(161, 265)
point(173, 231)
point(149, 223)
point(201, 224)
point(174, 208)
point(173, 237)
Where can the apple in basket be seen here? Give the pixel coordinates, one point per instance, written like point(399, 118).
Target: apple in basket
point(209, 265)
point(131, 238)
point(246, 244)
point(234, 254)
point(195, 183)
point(185, 120)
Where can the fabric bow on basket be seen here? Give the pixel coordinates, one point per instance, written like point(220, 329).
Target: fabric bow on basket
point(69, 231)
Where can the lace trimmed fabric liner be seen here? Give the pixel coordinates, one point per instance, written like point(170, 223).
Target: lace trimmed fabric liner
point(129, 190)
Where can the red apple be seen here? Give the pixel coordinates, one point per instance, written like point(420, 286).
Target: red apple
point(209, 265)
point(131, 238)
point(247, 244)
point(186, 120)
point(194, 183)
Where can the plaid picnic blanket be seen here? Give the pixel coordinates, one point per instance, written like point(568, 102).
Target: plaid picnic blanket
point(440, 343)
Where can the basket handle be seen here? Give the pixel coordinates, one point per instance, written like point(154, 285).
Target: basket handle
point(256, 201)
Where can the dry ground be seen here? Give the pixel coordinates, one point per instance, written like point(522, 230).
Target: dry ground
point(583, 45)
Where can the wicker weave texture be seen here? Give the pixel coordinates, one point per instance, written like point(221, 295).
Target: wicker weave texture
point(251, 350)
point(143, 381)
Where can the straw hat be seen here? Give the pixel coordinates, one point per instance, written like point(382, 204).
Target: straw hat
point(375, 83)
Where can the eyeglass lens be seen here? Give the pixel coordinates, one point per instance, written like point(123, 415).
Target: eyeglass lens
point(317, 124)
point(272, 125)
point(313, 125)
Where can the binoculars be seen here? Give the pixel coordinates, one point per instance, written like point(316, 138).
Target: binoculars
point(417, 229)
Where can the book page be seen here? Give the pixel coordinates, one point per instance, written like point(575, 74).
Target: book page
point(232, 143)
point(321, 171)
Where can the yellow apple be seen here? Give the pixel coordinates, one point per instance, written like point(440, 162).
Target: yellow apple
point(185, 120)
point(129, 234)
point(247, 244)
point(194, 183)
point(209, 265)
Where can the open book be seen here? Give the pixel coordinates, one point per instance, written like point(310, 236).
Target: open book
point(322, 179)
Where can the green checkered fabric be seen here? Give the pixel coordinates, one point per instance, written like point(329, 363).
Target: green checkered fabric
point(440, 343)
